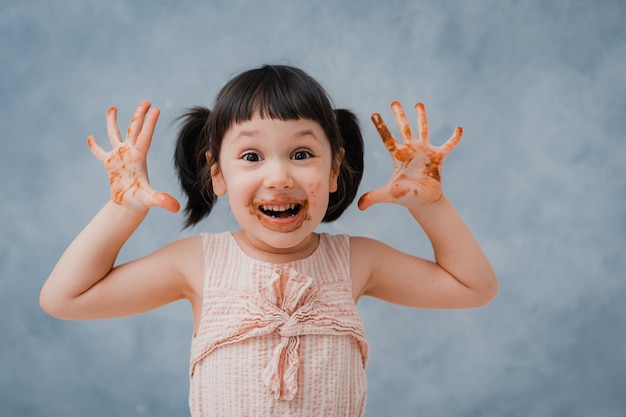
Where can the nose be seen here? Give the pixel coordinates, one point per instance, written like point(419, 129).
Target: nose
point(277, 175)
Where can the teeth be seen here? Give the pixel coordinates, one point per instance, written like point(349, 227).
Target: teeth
point(280, 207)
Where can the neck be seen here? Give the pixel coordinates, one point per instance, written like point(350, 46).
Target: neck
point(266, 253)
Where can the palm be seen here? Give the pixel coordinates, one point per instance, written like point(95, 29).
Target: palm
point(417, 163)
point(126, 162)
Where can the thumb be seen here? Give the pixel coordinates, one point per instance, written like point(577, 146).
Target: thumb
point(167, 202)
point(153, 198)
point(372, 197)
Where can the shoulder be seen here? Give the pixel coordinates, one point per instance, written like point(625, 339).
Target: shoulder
point(362, 248)
point(184, 255)
point(364, 254)
point(184, 246)
point(366, 251)
point(202, 248)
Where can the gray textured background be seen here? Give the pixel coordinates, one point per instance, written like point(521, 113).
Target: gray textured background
point(539, 88)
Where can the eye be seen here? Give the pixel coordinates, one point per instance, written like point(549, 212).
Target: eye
point(301, 155)
point(251, 157)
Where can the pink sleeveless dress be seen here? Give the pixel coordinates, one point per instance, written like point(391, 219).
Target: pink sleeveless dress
point(278, 339)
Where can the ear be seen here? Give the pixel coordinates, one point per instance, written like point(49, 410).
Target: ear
point(219, 186)
point(334, 171)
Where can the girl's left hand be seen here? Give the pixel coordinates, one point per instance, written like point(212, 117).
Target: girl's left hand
point(417, 164)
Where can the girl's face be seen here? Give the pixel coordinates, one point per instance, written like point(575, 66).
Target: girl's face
point(277, 175)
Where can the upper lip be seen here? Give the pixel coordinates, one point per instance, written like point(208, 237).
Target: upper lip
point(278, 202)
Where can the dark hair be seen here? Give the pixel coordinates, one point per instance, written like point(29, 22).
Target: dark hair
point(277, 92)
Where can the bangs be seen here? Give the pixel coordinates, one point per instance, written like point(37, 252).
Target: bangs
point(283, 93)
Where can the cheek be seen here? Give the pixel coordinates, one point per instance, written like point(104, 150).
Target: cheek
point(315, 188)
point(314, 192)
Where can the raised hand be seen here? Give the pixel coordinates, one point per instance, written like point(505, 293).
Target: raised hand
point(417, 164)
point(126, 162)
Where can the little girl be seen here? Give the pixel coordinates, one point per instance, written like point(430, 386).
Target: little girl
point(276, 329)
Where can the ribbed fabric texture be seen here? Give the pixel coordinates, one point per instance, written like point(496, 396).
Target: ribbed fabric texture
point(278, 339)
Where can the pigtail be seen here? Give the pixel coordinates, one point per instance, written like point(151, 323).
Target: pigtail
point(351, 169)
point(191, 165)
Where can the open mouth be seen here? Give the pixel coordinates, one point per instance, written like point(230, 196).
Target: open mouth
point(280, 211)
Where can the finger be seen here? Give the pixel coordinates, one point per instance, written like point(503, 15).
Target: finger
point(112, 129)
point(422, 123)
point(402, 121)
point(388, 140)
point(365, 201)
point(372, 197)
point(167, 202)
point(454, 140)
point(96, 150)
point(137, 122)
point(145, 136)
point(163, 200)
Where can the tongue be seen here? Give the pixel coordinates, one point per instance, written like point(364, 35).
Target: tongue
point(286, 213)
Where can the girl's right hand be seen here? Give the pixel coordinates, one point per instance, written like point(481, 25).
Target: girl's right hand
point(126, 162)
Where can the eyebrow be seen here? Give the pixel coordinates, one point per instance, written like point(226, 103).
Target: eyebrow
point(298, 134)
point(246, 133)
point(306, 132)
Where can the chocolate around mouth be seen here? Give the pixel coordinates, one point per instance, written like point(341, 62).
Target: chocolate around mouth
point(281, 212)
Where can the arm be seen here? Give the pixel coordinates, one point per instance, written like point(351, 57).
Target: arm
point(84, 284)
point(460, 276)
